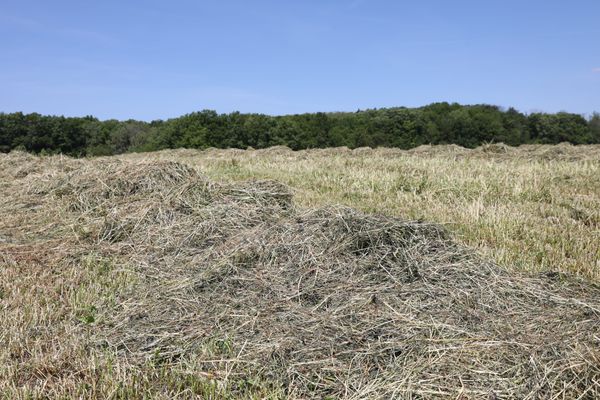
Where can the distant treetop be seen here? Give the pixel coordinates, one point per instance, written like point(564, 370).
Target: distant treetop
point(437, 123)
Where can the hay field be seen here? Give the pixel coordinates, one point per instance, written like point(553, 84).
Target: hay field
point(439, 272)
point(532, 208)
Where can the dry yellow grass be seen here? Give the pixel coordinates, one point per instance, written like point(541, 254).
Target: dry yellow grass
point(533, 208)
point(530, 209)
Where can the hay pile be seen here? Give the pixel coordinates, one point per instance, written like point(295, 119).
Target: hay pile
point(322, 302)
point(330, 151)
point(439, 149)
point(363, 151)
point(495, 148)
point(561, 151)
point(275, 150)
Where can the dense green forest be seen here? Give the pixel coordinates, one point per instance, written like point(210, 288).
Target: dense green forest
point(438, 123)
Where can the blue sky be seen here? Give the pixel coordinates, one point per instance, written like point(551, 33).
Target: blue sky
point(160, 59)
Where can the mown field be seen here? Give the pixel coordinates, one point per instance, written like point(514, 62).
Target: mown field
point(438, 272)
point(532, 208)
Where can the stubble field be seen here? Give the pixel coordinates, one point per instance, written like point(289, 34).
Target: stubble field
point(439, 272)
point(531, 208)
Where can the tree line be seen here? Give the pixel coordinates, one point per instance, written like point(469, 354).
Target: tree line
point(438, 123)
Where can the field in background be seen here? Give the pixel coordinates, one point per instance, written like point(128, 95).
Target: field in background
point(531, 208)
point(133, 276)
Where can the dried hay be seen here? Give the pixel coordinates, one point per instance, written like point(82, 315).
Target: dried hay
point(390, 152)
point(324, 302)
point(331, 151)
point(495, 148)
point(442, 149)
point(362, 151)
point(424, 148)
point(275, 150)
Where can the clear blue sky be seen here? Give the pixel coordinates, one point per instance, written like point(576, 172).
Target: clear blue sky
point(160, 59)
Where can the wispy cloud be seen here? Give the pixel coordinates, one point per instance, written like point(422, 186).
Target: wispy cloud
point(596, 70)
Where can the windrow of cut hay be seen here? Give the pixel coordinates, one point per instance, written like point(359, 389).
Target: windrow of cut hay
point(319, 302)
point(542, 152)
